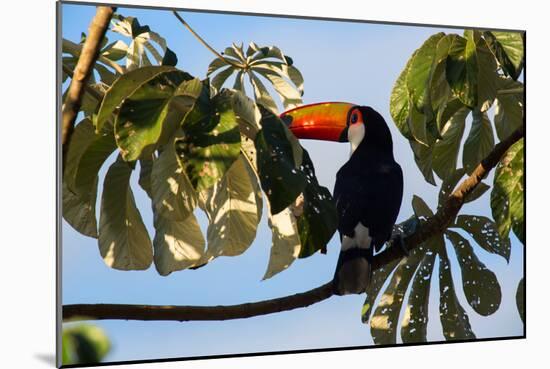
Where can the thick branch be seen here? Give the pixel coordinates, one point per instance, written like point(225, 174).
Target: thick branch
point(82, 72)
point(436, 224)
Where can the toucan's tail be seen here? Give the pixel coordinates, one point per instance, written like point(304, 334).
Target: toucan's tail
point(353, 271)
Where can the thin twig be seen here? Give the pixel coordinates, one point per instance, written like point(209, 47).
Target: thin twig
point(202, 41)
point(431, 227)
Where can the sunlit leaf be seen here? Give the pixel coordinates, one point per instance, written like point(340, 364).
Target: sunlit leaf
point(509, 51)
point(462, 68)
point(285, 242)
point(454, 320)
point(487, 77)
point(399, 103)
point(123, 87)
point(123, 239)
point(261, 94)
point(445, 153)
point(234, 209)
point(481, 286)
point(247, 113)
point(420, 72)
point(151, 113)
point(173, 196)
point(507, 197)
point(485, 233)
point(178, 244)
point(509, 107)
point(480, 141)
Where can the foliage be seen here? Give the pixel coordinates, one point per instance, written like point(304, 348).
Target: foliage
point(84, 344)
point(447, 79)
point(200, 148)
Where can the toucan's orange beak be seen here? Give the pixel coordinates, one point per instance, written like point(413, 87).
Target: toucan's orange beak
point(322, 121)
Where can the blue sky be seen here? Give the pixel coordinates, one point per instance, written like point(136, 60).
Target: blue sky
point(355, 62)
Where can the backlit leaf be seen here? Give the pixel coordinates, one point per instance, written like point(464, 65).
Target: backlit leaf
point(480, 141)
point(124, 242)
point(445, 153)
point(462, 69)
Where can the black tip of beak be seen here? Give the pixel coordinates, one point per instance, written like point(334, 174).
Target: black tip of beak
point(344, 135)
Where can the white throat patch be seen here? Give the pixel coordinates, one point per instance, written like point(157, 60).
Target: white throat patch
point(356, 133)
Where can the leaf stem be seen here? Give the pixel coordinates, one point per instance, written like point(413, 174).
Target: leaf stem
point(202, 41)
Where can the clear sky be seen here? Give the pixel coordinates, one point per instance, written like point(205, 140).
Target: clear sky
point(354, 62)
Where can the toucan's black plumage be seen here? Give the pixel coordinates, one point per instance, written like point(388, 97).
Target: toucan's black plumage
point(368, 191)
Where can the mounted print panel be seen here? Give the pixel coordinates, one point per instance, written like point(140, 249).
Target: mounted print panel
point(241, 184)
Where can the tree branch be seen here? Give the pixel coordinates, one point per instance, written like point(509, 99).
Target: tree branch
point(434, 225)
point(82, 72)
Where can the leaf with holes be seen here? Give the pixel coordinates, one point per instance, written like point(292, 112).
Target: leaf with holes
point(415, 321)
point(319, 218)
point(480, 285)
point(454, 320)
point(507, 197)
point(485, 233)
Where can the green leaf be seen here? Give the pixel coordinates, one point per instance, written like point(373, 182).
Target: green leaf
point(507, 197)
point(485, 233)
point(385, 318)
point(423, 159)
point(487, 77)
point(151, 113)
point(509, 51)
point(454, 320)
point(445, 152)
point(415, 321)
point(319, 219)
point(421, 209)
point(481, 286)
point(399, 103)
point(211, 141)
point(123, 239)
point(285, 70)
point(280, 179)
point(123, 87)
point(79, 210)
point(420, 73)
point(509, 107)
point(172, 194)
point(84, 344)
point(462, 69)
point(145, 169)
point(215, 65)
point(178, 244)
point(115, 50)
point(480, 141)
point(520, 299)
point(234, 209)
point(479, 191)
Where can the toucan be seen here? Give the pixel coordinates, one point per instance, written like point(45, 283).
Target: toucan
point(369, 186)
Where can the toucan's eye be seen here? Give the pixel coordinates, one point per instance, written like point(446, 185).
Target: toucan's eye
point(354, 118)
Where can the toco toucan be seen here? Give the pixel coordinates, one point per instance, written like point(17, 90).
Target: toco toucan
point(368, 188)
